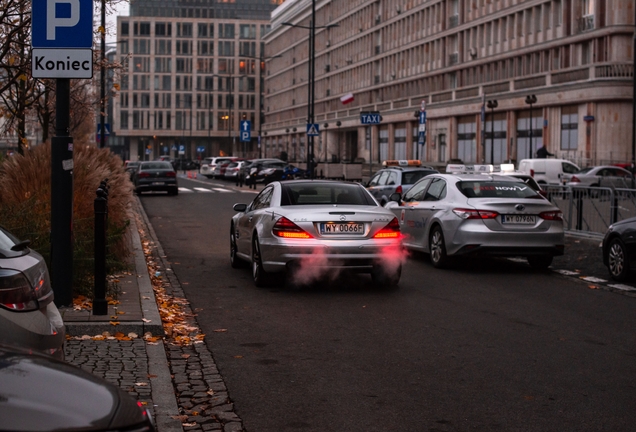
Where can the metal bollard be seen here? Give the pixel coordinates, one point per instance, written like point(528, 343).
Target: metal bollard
point(100, 305)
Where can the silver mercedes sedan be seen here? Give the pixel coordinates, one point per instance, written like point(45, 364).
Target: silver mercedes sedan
point(449, 215)
point(311, 230)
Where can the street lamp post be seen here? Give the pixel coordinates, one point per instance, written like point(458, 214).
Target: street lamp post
point(311, 90)
point(530, 100)
point(492, 104)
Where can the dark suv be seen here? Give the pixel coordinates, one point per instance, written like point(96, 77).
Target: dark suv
point(398, 176)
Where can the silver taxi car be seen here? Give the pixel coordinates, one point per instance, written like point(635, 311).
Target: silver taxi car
point(313, 229)
point(467, 212)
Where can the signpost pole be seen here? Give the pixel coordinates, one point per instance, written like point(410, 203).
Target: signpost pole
point(62, 198)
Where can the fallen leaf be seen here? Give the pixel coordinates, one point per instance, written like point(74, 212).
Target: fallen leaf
point(188, 424)
point(144, 403)
point(185, 356)
point(114, 323)
point(146, 320)
point(238, 357)
point(220, 330)
point(141, 384)
point(120, 312)
point(152, 376)
point(180, 417)
point(210, 392)
point(592, 287)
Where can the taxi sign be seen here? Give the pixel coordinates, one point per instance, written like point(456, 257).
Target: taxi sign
point(402, 163)
point(469, 169)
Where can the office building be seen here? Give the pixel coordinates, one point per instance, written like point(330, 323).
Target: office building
point(190, 73)
point(497, 79)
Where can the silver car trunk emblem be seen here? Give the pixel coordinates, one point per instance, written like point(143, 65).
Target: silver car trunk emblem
point(343, 218)
point(520, 207)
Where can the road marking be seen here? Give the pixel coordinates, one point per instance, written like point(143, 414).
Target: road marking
point(222, 190)
point(622, 287)
point(202, 189)
point(182, 189)
point(593, 279)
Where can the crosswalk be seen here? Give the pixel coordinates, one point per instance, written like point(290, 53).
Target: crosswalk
point(213, 190)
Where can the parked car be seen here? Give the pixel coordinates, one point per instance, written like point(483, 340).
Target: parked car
point(40, 393)
point(131, 167)
point(156, 176)
point(315, 228)
point(28, 316)
point(451, 215)
point(209, 164)
point(397, 176)
point(619, 248)
point(221, 166)
point(183, 164)
point(509, 170)
point(600, 176)
point(233, 170)
point(548, 171)
point(253, 167)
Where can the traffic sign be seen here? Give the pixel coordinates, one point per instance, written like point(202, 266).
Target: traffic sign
point(371, 117)
point(181, 149)
point(173, 148)
point(62, 23)
point(246, 130)
point(200, 149)
point(106, 131)
point(313, 129)
point(422, 117)
point(62, 63)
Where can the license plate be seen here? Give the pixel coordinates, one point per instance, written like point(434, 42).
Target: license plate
point(342, 228)
point(518, 219)
point(157, 183)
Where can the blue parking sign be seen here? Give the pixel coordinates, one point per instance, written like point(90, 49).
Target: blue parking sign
point(62, 23)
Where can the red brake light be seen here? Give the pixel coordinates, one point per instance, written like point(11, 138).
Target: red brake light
point(575, 179)
point(392, 230)
point(287, 229)
point(399, 189)
point(531, 173)
point(171, 174)
point(551, 215)
point(16, 292)
point(475, 214)
point(143, 174)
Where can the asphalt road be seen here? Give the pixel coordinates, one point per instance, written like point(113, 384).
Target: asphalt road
point(488, 345)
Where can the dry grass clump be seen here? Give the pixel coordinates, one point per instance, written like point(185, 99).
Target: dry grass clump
point(25, 206)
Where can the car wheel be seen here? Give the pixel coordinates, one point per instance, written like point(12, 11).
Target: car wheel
point(382, 276)
point(235, 261)
point(617, 260)
point(437, 248)
point(258, 273)
point(540, 262)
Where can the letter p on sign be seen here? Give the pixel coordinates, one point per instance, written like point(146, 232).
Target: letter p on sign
point(62, 23)
point(53, 21)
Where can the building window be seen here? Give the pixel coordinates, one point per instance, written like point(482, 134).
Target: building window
point(569, 128)
point(163, 46)
point(142, 29)
point(125, 30)
point(226, 31)
point(524, 147)
point(400, 142)
point(163, 29)
point(384, 144)
point(123, 120)
point(466, 142)
point(226, 48)
point(184, 29)
point(247, 31)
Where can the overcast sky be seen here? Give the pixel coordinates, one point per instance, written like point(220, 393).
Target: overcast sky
point(111, 19)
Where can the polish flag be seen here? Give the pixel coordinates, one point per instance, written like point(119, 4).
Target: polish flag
point(347, 98)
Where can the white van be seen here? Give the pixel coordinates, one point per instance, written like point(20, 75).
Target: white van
point(547, 171)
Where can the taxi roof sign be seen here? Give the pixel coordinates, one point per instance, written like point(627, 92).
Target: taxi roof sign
point(402, 163)
point(479, 169)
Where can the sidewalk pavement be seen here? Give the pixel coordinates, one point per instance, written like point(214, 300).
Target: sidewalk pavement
point(177, 381)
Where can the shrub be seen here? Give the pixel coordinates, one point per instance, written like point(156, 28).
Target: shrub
point(25, 206)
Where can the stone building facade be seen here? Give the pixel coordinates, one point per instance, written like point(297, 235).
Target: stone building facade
point(560, 72)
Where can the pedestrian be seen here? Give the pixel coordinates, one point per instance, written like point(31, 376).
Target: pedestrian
point(543, 153)
point(240, 177)
point(252, 176)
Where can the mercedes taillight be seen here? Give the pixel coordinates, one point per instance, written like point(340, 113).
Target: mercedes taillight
point(392, 230)
point(287, 229)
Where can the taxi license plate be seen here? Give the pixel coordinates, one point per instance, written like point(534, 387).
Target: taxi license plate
point(157, 183)
point(342, 228)
point(518, 219)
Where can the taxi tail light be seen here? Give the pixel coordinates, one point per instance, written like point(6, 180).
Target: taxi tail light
point(287, 229)
point(475, 214)
point(392, 230)
point(551, 215)
point(398, 189)
point(16, 293)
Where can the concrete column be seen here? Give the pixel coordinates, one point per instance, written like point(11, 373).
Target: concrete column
point(133, 149)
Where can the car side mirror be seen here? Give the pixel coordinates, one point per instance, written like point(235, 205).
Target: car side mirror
point(396, 197)
point(240, 208)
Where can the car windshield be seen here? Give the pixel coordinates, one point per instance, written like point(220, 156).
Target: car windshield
point(233, 164)
point(132, 165)
point(316, 193)
point(156, 165)
point(496, 189)
point(410, 177)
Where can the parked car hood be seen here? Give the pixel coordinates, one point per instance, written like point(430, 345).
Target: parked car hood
point(38, 393)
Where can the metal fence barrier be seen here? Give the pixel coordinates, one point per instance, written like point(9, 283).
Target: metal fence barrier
point(591, 210)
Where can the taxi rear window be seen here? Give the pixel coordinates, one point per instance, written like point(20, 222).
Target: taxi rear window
point(496, 189)
point(410, 177)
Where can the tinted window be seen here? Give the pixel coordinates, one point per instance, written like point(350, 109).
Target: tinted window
point(569, 168)
point(495, 189)
point(156, 165)
point(263, 199)
point(436, 191)
point(416, 193)
point(374, 180)
point(410, 177)
point(315, 193)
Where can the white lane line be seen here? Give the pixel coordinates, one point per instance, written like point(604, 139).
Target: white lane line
point(222, 190)
point(593, 279)
point(249, 191)
point(182, 189)
point(622, 287)
point(202, 189)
